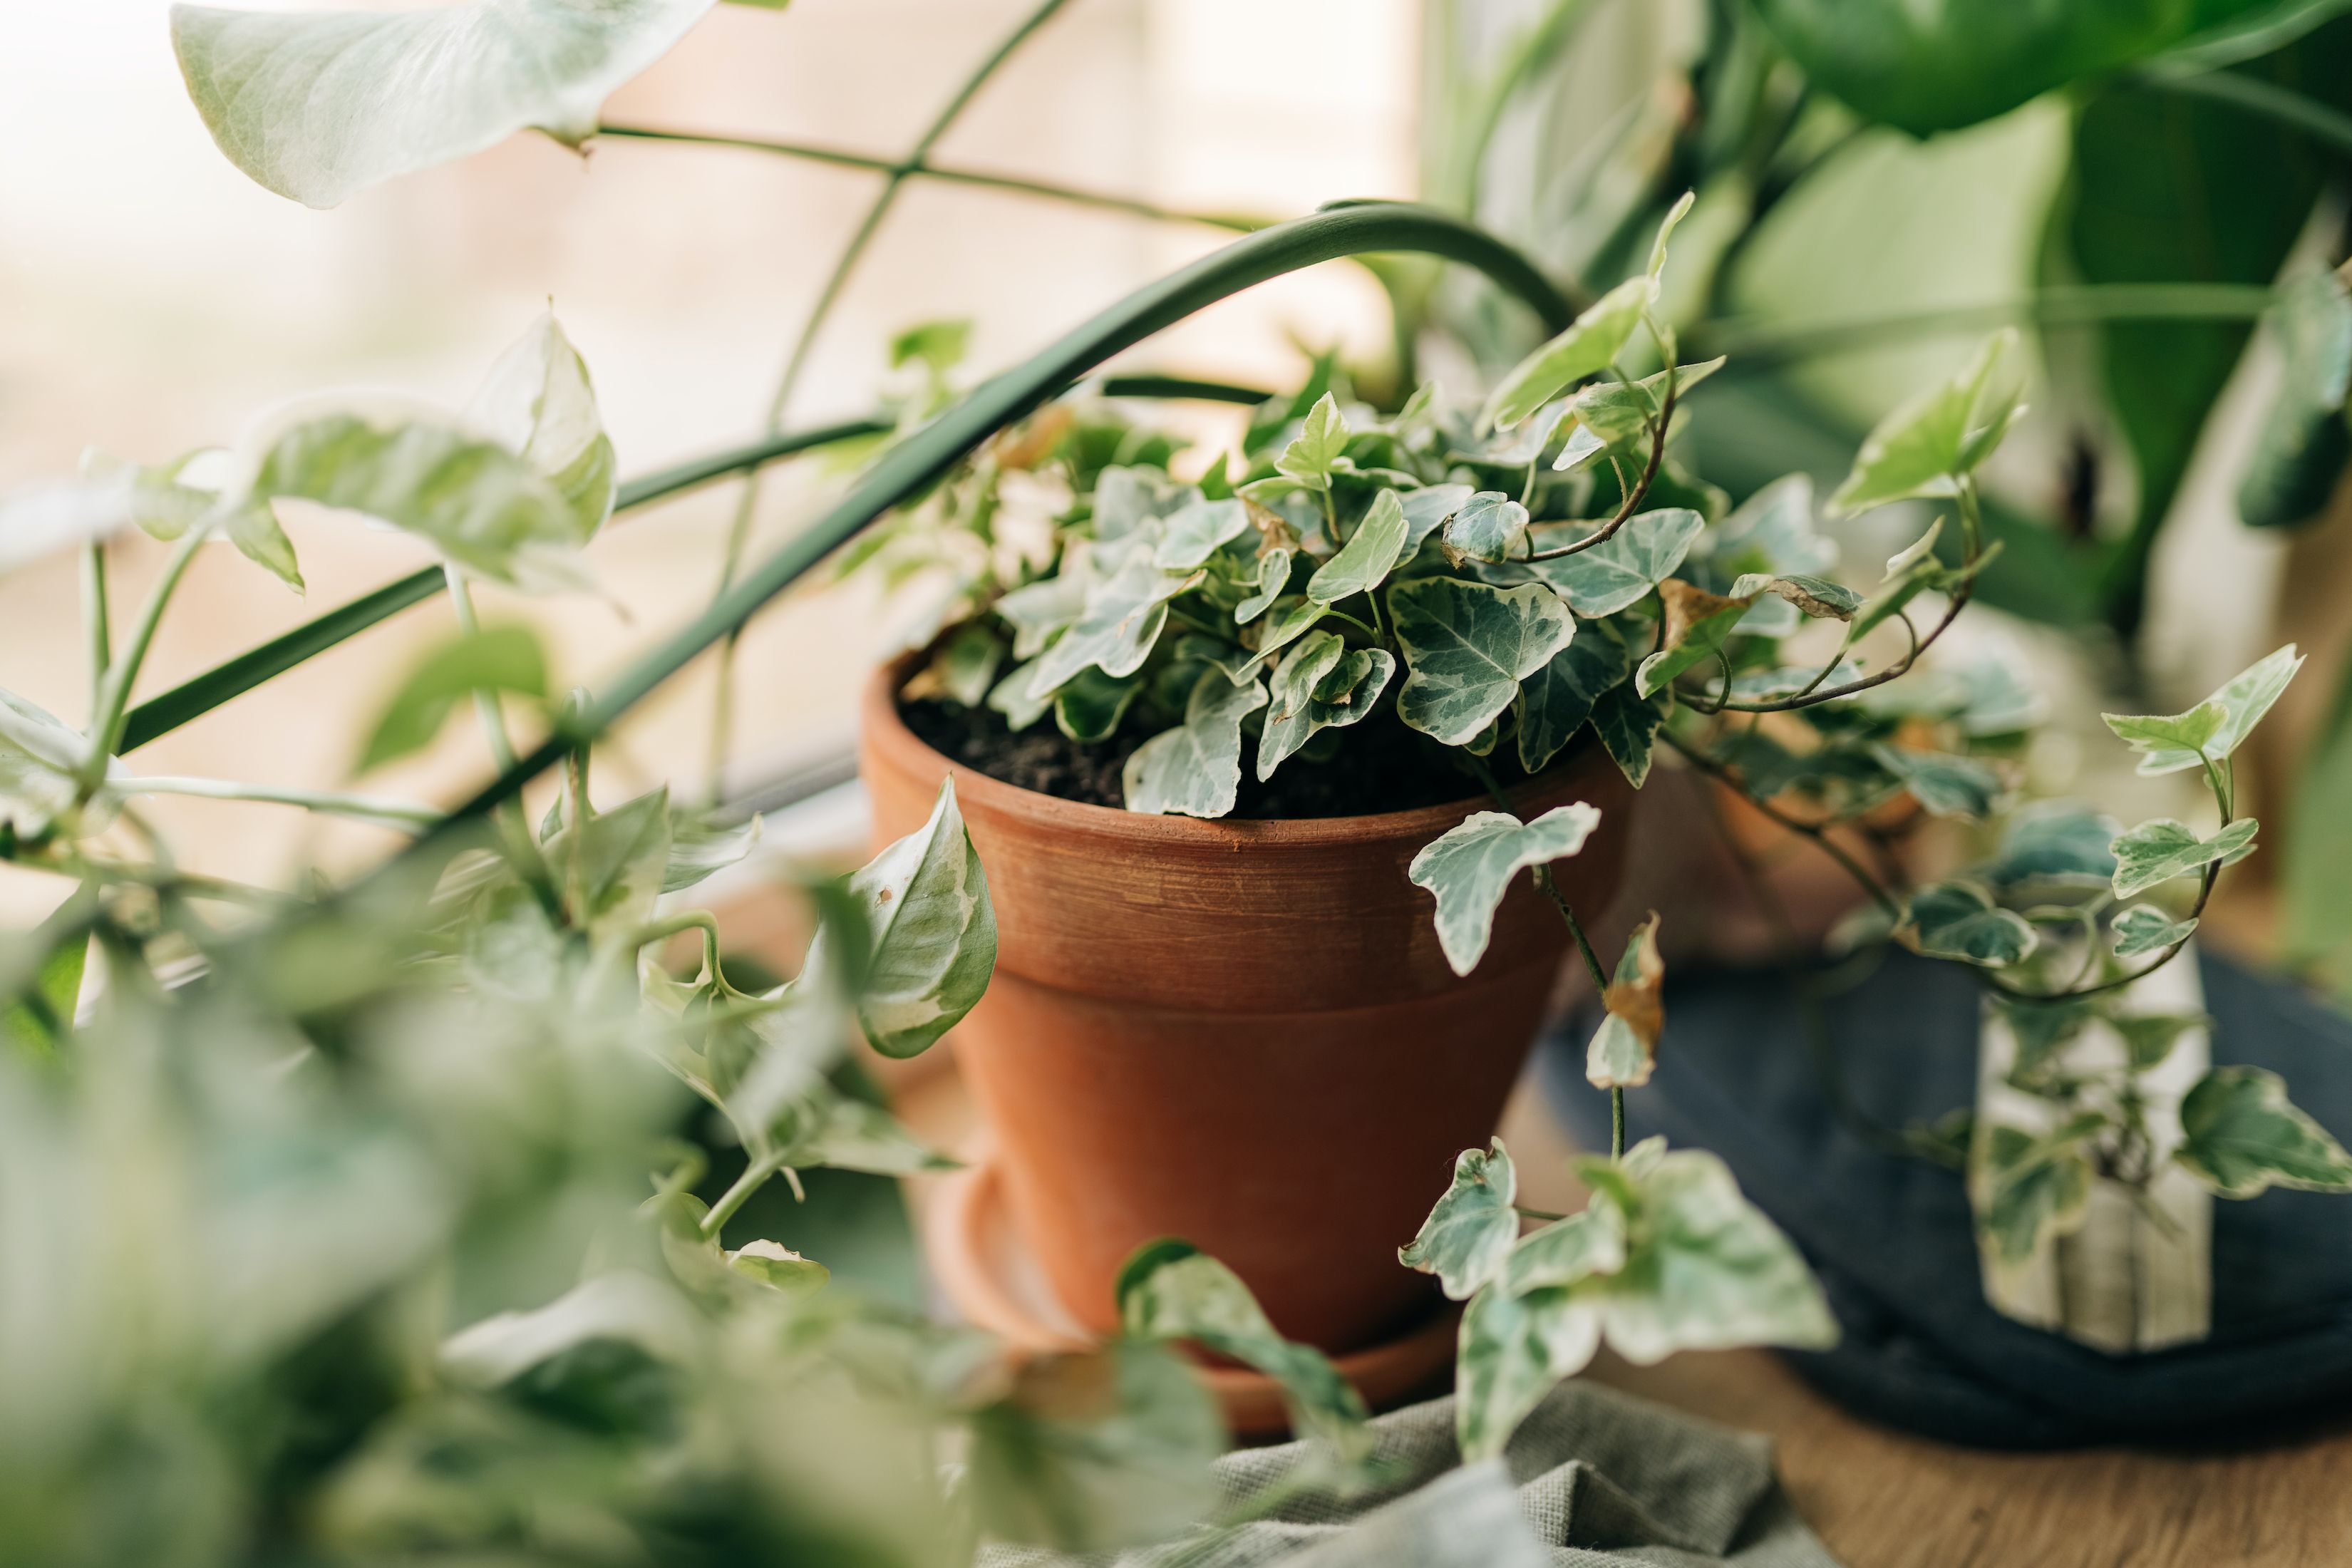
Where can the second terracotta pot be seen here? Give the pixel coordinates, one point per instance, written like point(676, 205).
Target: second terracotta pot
point(1238, 1032)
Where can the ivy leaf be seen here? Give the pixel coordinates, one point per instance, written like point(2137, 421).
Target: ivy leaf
point(612, 870)
point(1089, 708)
point(1773, 531)
point(1565, 1251)
point(2190, 740)
point(538, 403)
point(2241, 1135)
point(1620, 570)
point(931, 930)
point(1470, 866)
point(1170, 1290)
point(1095, 1450)
point(1628, 724)
point(1368, 557)
point(2302, 444)
point(964, 669)
point(2037, 1188)
point(834, 1130)
point(2157, 851)
point(315, 107)
point(1928, 445)
point(1958, 919)
point(1697, 625)
point(1514, 1349)
point(1945, 785)
point(1273, 578)
point(1621, 412)
point(1556, 701)
point(1322, 436)
point(1490, 526)
point(1429, 508)
point(1016, 699)
point(2054, 845)
point(1122, 621)
point(1816, 597)
point(1128, 500)
point(1035, 610)
point(2144, 928)
point(1195, 769)
point(1625, 1046)
point(488, 662)
point(1471, 1231)
point(779, 1269)
point(1320, 684)
point(1466, 647)
point(1198, 530)
point(40, 756)
point(2148, 1037)
point(1590, 344)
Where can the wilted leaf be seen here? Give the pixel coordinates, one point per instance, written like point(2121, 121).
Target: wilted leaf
point(1471, 866)
point(316, 106)
point(2173, 744)
point(1815, 596)
point(1958, 919)
point(1556, 701)
point(1490, 526)
point(1590, 342)
point(1466, 647)
point(1320, 684)
point(1195, 769)
point(490, 661)
point(2240, 1135)
point(1473, 1227)
point(1925, 446)
point(1698, 625)
point(1620, 571)
point(2157, 851)
point(2144, 928)
point(1625, 1046)
point(932, 929)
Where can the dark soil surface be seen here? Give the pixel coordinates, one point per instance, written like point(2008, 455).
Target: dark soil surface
point(1382, 766)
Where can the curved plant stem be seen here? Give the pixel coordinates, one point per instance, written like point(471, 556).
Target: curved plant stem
point(1818, 834)
point(410, 815)
point(2330, 127)
point(924, 456)
point(94, 620)
point(739, 530)
point(1635, 496)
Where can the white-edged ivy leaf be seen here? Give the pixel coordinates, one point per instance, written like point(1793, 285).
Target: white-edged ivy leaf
point(1195, 769)
point(1945, 785)
point(1621, 412)
point(1466, 647)
point(1368, 557)
point(1588, 345)
point(1198, 531)
point(932, 930)
point(2144, 928)
point(1490, 526)
point(2036, 1189)
point(1590, 1242)
point(1128, 500)
point(1516, 448)
point(1016, 697)
point(1816, 597)
point(779, 1269)
point(1092, 1451)
point(1122, 621)
point(1037, 610)
point(1472, 1228)
point(1170, 1290)
point(2156, 852)
point(1624, 1047)
point(1628, 724)
point(1320, 684)
point(316, 106)
point(828, 1127)
point(1698, 625)
point(1959, 920)
point(1088, 708)
point(1273, 581)
point(2183, 741)
point(1927, 444)
point(703, 844)
point(1620, 571)
point(2054, 845)
point(2241, 1135)
point(1666, 227)
point(1514, 1349)
point(492, 661)
point(1470, 866)
point(1322, 436)
point(1556, 701)
point(1429, 508)
point(538, 403)
point(1580, 447)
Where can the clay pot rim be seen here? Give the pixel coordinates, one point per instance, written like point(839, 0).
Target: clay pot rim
point(885, 728)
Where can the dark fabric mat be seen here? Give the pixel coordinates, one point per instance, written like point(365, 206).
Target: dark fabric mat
point(1890, 1236)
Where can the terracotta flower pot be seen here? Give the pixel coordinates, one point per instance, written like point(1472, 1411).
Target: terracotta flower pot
point(1238, 1032)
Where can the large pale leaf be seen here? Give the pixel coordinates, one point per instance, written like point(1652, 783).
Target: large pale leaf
point(2241, 1135)
point(1590, 342)
point(1466, 647)
point(1471, 866)
point(1198, 531)
point(2158, 851)
point(1556, 701)
point(1925, 446)
point(2215, 727)
point(316, 106)
point(538, 403)
point(933, 932)
point(1620, 571)
point(1473, 1227)
point(1320, 684)
point(1195, 769)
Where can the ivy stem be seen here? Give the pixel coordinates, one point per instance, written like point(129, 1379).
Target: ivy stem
point(702, 920)
point(1617, 1122)
point(1817, 833)
point(755, 1176)
point(373, 808)
point(95, 621)
point(114, 692)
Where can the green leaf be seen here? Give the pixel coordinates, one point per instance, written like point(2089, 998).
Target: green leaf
point(1628, 724)
point(2215, 727)
point(1016, 699)
point(965, 667)
point(1429, 508)
point(2037, 1188)
point(1195, 769)
point(1127, 500)
point(1198, 530)
point(1368, 557)
point(1666, 227)
point(538, 403)
point(1273, 580)
point(1773, 531)
point(1925, 446)
point(1466, 647)
point(1089, 708)
point(2301, 451)
point(315, 107)
point(2058, 845)
point(1320, 684)
point(835, 1130)
point(1514, 1349)
point(1470, 866)
point(1308, 459)
point(1816, 597)
point(1170, 1290)
point(1619, 413)
point(2157, 851)
point(1471, 1231)
point(1624, 1046)
point(932, 930)
point(937, 346)
point(490, 661)
point(1556, 701)
point(1591, 343)
point(779, 1269)
point(1035, 610)
point(2144, 928)
point(1490, 526)
point(1620, 570)
point(703, 843)
point(1122, 621)
point(613, 870)
point(2241, 1135)
point(39, 1020)
point(1565, 1251)
point(1958, 919)
point(1945, 785)
point(2148, 1037)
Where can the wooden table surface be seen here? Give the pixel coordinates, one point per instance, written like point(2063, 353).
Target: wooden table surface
point(1882, 1498)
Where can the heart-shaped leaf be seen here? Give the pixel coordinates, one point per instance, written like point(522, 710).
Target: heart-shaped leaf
point(1466, 647)
point(1472, 1229)
point(1320, 684)
point(2241, 1135)
point(1470, 866)
point(932, 929)
point(1198, 531)
point(1928, 445)
point(2215, 727)
point(1490, 526)
point(1556, 701)
point(2157, 851)
point(2036, 1189)
point(1195, 769)
point(1959, 919)
point(1588, 345)
point(2144, 928)
point(1620, 571)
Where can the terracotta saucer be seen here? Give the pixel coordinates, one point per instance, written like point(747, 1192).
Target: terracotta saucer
point(979, 1261)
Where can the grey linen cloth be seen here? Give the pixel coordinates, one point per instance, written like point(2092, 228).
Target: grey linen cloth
point(1593, 1479)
